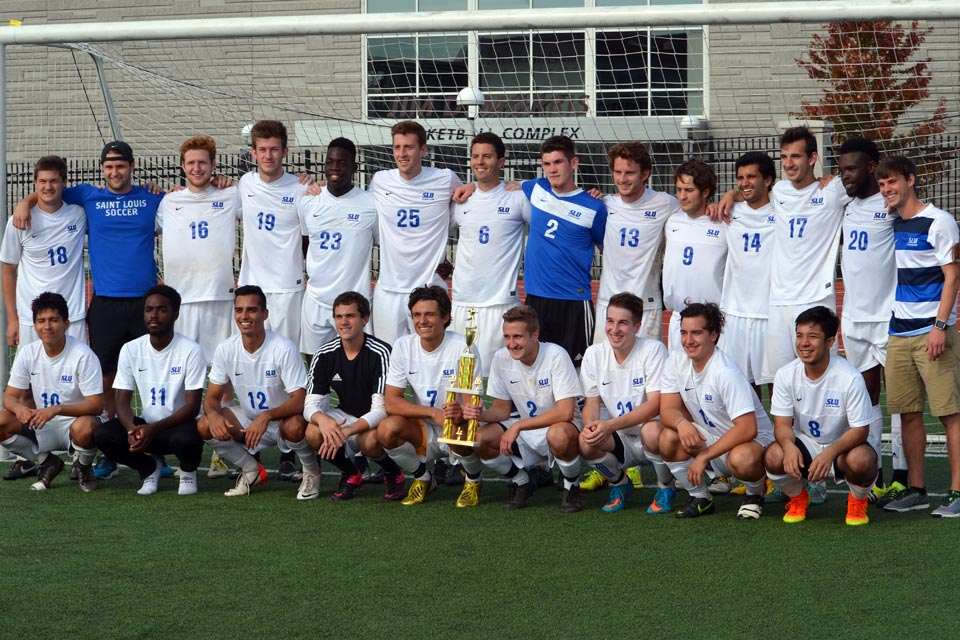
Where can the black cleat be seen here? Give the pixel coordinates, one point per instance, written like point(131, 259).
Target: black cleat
point(49, 469)
point(571, 500)
point(21, 469)
point(696, 507)
point(519, 494)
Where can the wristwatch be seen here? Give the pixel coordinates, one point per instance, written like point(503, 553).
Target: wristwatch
point(940, 324)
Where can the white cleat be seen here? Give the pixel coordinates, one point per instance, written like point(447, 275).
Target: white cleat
point(309, 487)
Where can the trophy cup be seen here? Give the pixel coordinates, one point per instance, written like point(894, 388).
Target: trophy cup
point(466, 385)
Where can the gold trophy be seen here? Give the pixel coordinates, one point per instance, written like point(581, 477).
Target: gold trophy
point(466, 385)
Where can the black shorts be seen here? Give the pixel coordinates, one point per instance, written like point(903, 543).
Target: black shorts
point(568, 323)
point(113, 322)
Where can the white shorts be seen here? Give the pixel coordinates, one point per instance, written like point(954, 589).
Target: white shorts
point(432, 449)
point(673, 333)
point(271, 437)
point(651, 326)
point(532, 445)
point(391, 317)
point(316, 324)
point(865, 343)
point(489, 329)
point(719, 464)
point(284, 309)
point(744, 340)
point(208, 322)
point(55, 435)
point(352, 448)
point(814, 448)
point(782, 334)
point(632, 446)
point(77, 329)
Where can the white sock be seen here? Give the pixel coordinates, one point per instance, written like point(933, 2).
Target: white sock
point(664, 477)
point(234, 453)
point(679, 471)
point(150, 482)
point(876, 432)
point(188, 483)
point(471, 464)
point(896, 443)
point(790, 486)
point(754, 488)
point(608, 466)
point(859, 492)
point(85, 456)
point(570, 469)
point(22, 446)
point(308, 457)
point(405, 456)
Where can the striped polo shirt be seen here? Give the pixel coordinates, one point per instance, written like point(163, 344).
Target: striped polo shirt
point(924, 243)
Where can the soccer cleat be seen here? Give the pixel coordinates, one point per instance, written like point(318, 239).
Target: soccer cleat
point(309, 487)
point(751, 508)
point(696, 507)
point(857, 511)
point(150, 482)
point(21, 469)
point(773, 492)
point(419, 491)
point(166, 471)
point(105, 468)
point(817, 492)
point(49, 469)
point(893, 491)
point(909, 500)
point(88, 478)
point(74, 469)
point(188, 483)
point(662, 500)
point(618, 497)
point(541, 476)
point(519, 494)
point(470, 495)
point(634, 474)
point(394, 490)
point(287, 471)
point(739, 489)
point(797, 508)
point(593, 481)
point(218, 467)
point(347, 486)
point(950, 507)
point(571, 500)
point(246, 480)
point(719, 486)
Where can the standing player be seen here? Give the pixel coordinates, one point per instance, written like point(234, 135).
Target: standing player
point(63, 409)
point(624, 374)
point(696, 247)
point(923, 349)
point(354, 366)
point(711, 417)
point(413, 207)
point(199, 227)
point(167, 370)
point(746, 281)
point(341, 224)
point(869, 279)
point(490, 247)
point(822, 414)
point(267, 373)
point(633, 240)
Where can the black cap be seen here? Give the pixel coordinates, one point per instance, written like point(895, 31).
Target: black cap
point(117, 148)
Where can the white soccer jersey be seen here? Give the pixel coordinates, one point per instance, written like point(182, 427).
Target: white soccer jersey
point(715, 396)
point(536, 389)
point(65, 379)
point(414, 220)
point(633, 246)
point(272, 255)
point(490, 247)
point(50, 258)
point(264, 379)
point(807, 238)
point(341, 232)
point(868, 261)
point(750, 249)
point(622, 387)
point(199, 240)
point(693, 260)
point(825, 408)
point(161, 377)
point(429, 373)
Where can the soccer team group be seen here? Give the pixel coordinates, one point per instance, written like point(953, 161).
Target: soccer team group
point(749, 281)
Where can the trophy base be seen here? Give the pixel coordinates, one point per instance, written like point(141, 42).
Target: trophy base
point(467, 392)
point(460, 443)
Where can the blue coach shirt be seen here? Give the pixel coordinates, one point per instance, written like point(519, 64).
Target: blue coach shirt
point(563, 231)
point(121, 229)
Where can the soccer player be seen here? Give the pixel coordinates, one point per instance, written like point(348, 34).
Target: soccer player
point(623, 373)
point(869, 280)
point(54, 397)
point(695, 252)
point(167, 370)
point(490, 247)
point(540, 381)
point(922, 352)
point(269, 378)
point(633, 240)
point(413, 208)
point(341, 224)
point(199, 227)
point(427, 361)
point(711, 417)
point(354, 366)
point(822, 413)
point(746, 281)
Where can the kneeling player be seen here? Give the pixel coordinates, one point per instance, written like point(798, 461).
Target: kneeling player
point(65, 378)
point(167, 369)
point(268, 376)
point(623, 372)
point(712, 416)
point(354, 365)
point(822, 412)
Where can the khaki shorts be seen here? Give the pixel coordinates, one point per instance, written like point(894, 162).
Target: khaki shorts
point(910, 375)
